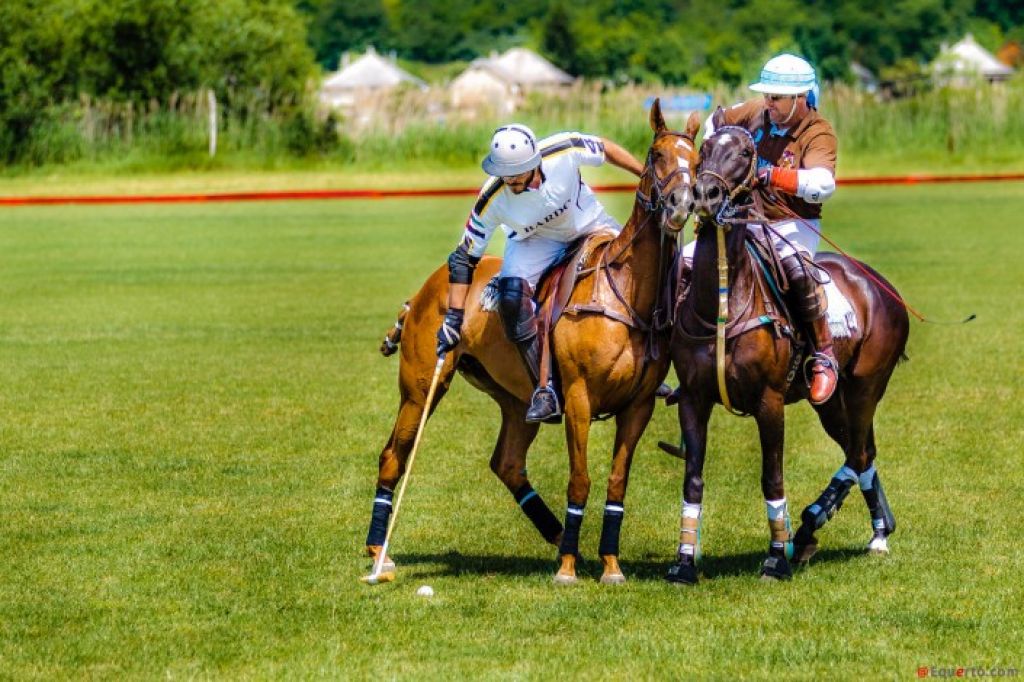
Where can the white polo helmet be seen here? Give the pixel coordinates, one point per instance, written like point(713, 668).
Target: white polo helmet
point(786, 74)
point(513, 151)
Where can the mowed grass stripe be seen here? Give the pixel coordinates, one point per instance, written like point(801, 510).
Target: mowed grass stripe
point(193, 404)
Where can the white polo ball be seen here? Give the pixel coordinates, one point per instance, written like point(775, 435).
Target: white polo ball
point(425, 591)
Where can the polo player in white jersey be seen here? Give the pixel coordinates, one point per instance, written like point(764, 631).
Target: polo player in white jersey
point(537, 196)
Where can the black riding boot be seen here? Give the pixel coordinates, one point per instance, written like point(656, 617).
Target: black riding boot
point(811, 305)
point(516, 309)
point(544, 403)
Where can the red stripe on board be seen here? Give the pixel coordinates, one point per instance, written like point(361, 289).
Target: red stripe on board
point(405, 193)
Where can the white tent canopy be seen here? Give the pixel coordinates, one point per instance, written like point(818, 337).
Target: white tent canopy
point(529, 68)
point(968, 58)
point(369, 72)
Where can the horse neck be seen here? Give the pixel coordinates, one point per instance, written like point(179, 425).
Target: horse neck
point(704, 280)
point(637, 250)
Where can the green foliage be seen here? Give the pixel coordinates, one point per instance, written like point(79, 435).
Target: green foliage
point(700, 43)
point(251, 53)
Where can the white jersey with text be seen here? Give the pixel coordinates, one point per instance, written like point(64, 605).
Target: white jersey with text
point(562, 209)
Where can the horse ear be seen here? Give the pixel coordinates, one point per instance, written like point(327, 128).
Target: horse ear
point(718, 118)
point(657, 120)
point(692, 125)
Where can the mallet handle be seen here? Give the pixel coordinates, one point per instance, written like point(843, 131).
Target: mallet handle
point(379, 563)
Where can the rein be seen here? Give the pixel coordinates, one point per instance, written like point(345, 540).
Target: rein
point(652, 204)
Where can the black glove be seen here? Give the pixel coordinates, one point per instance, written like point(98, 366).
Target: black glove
point(450, 333)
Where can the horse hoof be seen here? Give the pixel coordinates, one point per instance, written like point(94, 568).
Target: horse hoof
point(682, 573)
point(802, 553)
point(388, 565)
point(613, 579)
point(879, 546)
point(776, 568)
point(565, 579)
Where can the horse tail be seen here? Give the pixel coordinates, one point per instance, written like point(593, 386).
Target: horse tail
point(903, 358)
point(394, 336)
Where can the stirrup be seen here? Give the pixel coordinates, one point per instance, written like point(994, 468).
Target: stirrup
point(541, 411)
point(827, 363)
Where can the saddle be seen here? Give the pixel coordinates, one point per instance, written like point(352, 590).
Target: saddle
point(584, 258)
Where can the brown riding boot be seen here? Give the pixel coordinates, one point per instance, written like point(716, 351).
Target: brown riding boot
point(824, 368)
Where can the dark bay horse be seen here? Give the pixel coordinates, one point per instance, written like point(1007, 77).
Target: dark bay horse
point(759, 368)
point(610, 350)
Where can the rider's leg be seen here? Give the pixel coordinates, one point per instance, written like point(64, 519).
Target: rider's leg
point(811, 306)
point(797, 242)
point(525, 262)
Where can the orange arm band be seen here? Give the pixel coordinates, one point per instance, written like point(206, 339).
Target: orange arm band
point(785, 179)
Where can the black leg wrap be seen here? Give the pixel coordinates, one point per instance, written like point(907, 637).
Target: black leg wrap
point(826, 506)
point(571, 536)
point(610, 530)
point(882, 520)
point(538, 513)
point(380, 518)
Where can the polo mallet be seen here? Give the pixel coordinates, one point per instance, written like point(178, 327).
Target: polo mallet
point(378, 575)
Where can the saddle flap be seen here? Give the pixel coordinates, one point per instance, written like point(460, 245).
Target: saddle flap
point(557, 287)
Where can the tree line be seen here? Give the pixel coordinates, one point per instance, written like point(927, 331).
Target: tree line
point(683, 42)
point(261, 57)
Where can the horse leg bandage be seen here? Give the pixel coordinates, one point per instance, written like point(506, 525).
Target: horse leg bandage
point(831, 500)
point(781, 529)
point(380, 518)
point(613, 513)
point(538, 512)
point(571, 536)
point(689, 530)
point(882, 520)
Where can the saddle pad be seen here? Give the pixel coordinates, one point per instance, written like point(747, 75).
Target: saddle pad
point(842, 320)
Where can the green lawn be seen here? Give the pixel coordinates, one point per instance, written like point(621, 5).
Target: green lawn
point(193, 404)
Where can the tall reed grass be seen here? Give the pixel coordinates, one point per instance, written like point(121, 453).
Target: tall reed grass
point(979, 126)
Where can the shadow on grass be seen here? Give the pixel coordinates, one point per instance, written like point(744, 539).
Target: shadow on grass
point(454, 563)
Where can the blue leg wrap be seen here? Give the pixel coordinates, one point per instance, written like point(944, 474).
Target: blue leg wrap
point(571, 536)
point(825, 507)
point(380, 518)
point(538, 512)
point(882, 520)
point(613, 513)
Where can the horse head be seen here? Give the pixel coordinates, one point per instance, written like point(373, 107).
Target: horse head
point(666, 186)
point(726, 173)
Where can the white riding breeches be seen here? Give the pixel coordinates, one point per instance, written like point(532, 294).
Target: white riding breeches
point(530, 257)
point(787, 236)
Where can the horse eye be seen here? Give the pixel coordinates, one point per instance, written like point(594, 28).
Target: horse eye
point(747, 153)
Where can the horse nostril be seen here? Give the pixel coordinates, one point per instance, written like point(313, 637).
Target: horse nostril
point(713, 192)
point(673, 200)
point(698, 193)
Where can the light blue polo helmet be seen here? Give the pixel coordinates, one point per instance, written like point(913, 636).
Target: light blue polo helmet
point(788, 74)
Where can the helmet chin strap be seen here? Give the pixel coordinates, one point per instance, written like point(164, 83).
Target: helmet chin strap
point(792, 110)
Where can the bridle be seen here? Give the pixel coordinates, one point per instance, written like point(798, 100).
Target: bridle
point(655, 201)
point(724, 220)
point(728, 208)
point(653, 204)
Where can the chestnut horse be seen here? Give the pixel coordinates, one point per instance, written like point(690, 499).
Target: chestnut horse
point(606, 366)
point(762, 355)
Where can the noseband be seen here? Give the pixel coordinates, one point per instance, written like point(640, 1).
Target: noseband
point(656, 201)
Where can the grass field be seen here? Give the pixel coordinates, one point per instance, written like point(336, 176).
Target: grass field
point(193, 405)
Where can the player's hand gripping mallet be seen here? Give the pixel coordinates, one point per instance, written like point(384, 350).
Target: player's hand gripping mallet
point(378, 575)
